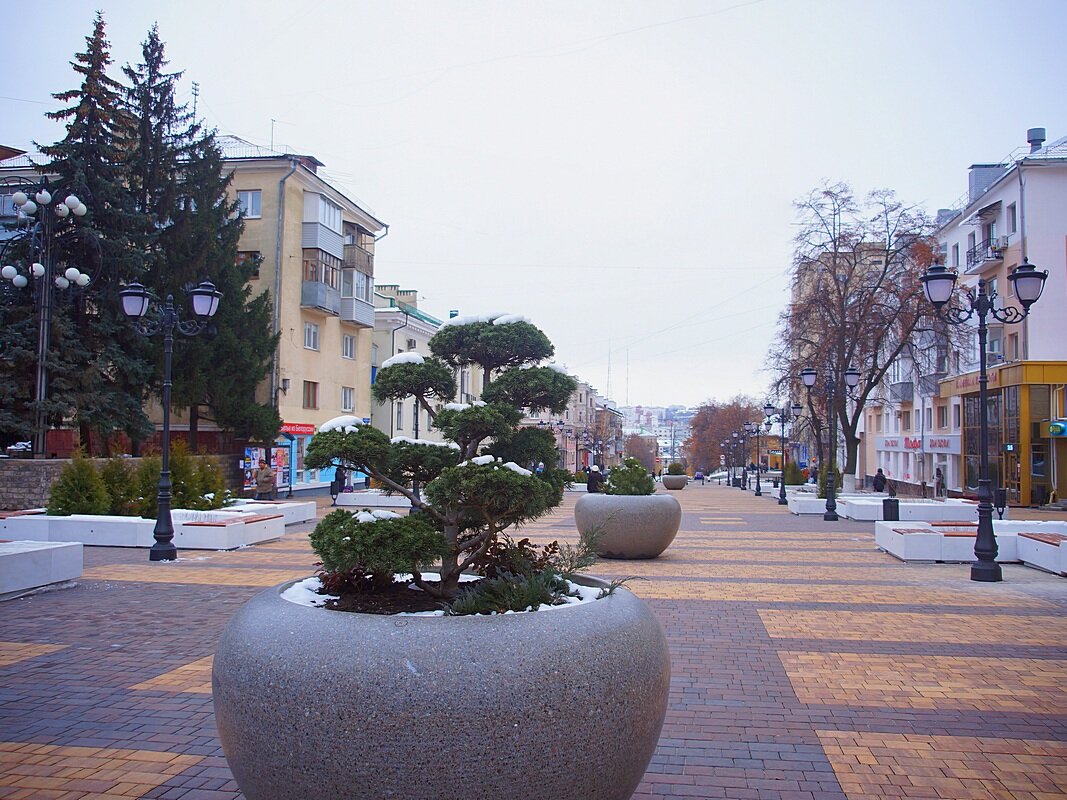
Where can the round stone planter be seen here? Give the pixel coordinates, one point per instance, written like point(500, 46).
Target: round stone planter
point(675, 481)
point(316, 703)
point(634, 526)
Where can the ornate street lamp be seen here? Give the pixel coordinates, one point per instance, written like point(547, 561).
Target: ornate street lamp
point(44, 223)
point(135, 304)
point(831, 388)
point(938, 283)
point(754, 428)
point(789, 414)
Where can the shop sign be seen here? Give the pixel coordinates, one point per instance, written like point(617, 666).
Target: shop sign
point(930, 444)
point(911, 443)
point(299, 428)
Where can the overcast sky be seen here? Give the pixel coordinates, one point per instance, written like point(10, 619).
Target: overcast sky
point(620, 172)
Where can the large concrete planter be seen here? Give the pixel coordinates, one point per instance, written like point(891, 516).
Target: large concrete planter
point(565, 703)
point(634, 526)
point(675, 481)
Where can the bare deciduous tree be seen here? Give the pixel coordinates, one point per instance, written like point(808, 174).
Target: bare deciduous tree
point(857, 301)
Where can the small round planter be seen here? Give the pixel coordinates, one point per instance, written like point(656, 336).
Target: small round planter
point(316, 703)
point(634, 526)
point(675, 481)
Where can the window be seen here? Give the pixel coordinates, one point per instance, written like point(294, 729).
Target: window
point(928, 417)
point(357, 284)
point(311, 336)
point(348, 346)
point(956, 418)
point(311, 394)
point(348, 398)
point(330, 214)
point(878, 423)
point(322, 267)
point(1013, 344)
point(971, 241)
point(400, 416)
point(1013, 219)
point(956, 255)
point(906, 420)
point(251, 203)
point(942, 416)
point(251, 258)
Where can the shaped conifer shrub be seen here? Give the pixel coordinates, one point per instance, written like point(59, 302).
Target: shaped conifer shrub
point(466, 492)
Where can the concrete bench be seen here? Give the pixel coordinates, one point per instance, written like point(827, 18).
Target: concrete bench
point(294, 511)
point(228, 532)
point(1043, 550)
point(908, 544)
point(25, 566)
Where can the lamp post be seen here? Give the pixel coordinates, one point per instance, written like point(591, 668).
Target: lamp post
point(755, 428)
point(135, 301)
point(790, 414)
point(938, 284)
point(44, 223)
point(851, 378)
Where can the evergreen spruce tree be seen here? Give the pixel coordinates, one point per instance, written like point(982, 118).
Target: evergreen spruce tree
point(175, 173)
point(97, 364)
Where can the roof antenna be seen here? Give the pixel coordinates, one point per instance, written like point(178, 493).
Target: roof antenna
point(196, 96)
point(272, 121)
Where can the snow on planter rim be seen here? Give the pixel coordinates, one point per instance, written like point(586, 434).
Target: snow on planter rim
point(427, 442)
point(305, 593)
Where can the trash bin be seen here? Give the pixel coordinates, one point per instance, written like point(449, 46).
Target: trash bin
point(774, 483)
point(890, 509)
point(737, 483)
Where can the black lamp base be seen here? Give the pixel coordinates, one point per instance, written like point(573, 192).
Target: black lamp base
point(986, 571)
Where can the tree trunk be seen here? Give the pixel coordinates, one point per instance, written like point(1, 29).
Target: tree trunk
point(450, 563)
point(194, 426)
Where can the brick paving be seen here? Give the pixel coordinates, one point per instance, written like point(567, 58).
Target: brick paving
point(805, 664)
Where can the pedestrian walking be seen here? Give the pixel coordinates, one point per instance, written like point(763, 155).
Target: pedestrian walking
point(939, 483)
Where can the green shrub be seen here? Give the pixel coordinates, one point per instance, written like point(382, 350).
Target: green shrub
point(371, 547)
point(147, 481)
point(793, 474)
point(211, 481)
point(823, 470)
point(79, 490)
point(675, 469)
point(118, 476)
point(185, 491)
point(630, 478)
point(512, 593)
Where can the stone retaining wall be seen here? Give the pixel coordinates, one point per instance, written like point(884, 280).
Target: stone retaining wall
point(27, 482)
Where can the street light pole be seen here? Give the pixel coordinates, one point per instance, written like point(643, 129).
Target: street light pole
point(851, 378)
point(135, 302)
point(785, 413)
point(43, 224)
point(938, 284)
point(750, 428)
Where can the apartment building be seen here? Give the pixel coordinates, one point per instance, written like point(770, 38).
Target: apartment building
point(1012, 210)
point(315, 248)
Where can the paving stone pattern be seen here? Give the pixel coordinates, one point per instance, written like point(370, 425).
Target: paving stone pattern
point(806, 664)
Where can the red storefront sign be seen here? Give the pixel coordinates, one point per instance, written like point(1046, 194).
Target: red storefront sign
point(298, 428)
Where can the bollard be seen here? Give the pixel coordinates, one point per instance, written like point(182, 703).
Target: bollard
point(890, 509)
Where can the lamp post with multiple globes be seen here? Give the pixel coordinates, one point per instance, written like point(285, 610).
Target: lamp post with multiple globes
point(790, 414)
point(42, 224)
point(832, 389)
point(938, 284)
point(135, 303)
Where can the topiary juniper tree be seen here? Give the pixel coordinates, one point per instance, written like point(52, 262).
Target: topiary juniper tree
point(474, 489)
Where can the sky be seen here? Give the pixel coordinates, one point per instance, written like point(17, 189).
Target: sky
point(622, 173)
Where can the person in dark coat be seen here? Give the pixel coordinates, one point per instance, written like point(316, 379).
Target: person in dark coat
point(879, 480)
point(595, 480)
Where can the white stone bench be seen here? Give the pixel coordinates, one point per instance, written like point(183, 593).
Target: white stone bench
point(294, 511)
point(193, 529)
point(908, 543)
point(868, 508)
point(1043, 550)
point(31, 565)
point(373, 498)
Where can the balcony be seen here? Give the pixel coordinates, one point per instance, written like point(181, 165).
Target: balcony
point(929, 385)
point(321, 296)
point(358, 312)
point(902, 392)
point(986, 253)
point(358, 258)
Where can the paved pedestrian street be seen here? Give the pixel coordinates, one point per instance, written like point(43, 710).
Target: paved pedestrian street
point(805, 664)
